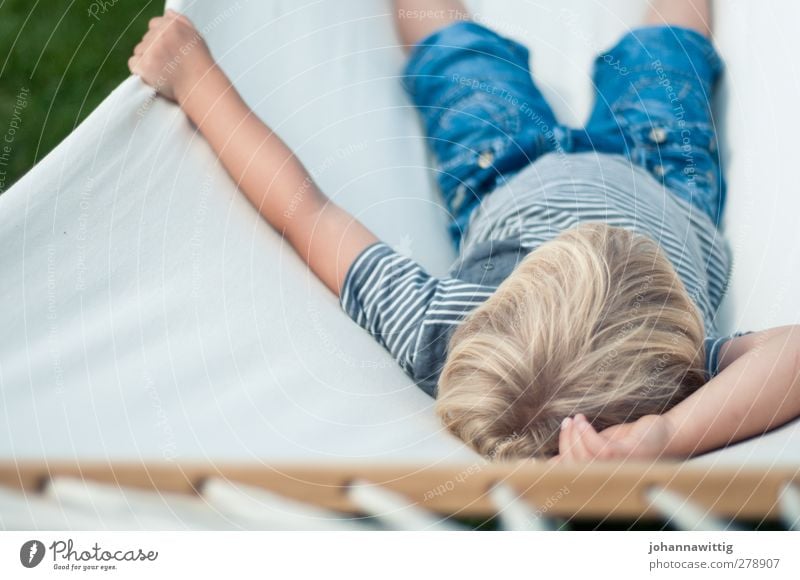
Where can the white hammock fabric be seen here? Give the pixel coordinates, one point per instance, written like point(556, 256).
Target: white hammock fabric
point(150, 314)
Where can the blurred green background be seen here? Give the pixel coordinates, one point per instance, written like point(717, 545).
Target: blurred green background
point(69, 55)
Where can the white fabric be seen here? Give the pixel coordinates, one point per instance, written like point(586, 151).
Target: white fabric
point(148, 312)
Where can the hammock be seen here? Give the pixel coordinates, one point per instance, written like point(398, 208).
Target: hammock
point(158, 335)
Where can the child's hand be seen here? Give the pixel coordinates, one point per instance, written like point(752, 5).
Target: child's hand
point(171, 56)
point(646, 438)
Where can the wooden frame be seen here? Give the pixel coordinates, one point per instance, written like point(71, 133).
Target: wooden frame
point(614, 490)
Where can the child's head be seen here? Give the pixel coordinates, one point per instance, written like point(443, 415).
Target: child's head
point(596, 321)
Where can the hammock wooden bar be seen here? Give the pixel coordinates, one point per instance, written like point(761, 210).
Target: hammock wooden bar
point(600, 490)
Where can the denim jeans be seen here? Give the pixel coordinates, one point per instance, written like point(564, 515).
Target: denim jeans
point(485, 119)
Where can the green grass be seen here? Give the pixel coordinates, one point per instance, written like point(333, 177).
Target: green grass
point(68, 60)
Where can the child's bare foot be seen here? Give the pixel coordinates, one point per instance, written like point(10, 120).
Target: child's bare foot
point(694, 14)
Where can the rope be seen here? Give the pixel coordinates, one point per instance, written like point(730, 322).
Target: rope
point(680, 512)
point(395, 511)
point(514, 514)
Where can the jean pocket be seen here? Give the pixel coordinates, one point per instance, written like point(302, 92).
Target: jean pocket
point(673, 101)
point(678, 140)
point(472, 111)
point(683, 156)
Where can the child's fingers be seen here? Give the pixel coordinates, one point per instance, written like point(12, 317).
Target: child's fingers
point(570, 445)
point(579, 441)
point(563, 439)
point(581, 450)
point(150, 40)
point(594, 444)
point(608, 448)
point(146, 41)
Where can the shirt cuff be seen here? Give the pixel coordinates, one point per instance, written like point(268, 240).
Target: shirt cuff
point(357, 274)
point(712, 346)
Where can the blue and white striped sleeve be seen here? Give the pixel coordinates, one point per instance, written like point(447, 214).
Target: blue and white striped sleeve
point(713, 344)
point(409, 312)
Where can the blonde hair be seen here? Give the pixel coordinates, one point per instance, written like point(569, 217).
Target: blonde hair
point(596, 321)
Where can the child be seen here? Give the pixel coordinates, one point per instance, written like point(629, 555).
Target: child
point(578, 322)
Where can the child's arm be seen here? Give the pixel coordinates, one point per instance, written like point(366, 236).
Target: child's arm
point(404, 308)
point(174, 59)
point(757, 389)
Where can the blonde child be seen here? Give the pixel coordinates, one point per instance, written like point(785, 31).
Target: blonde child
point(578, 322)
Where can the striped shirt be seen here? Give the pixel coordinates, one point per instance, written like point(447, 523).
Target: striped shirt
point(413, 314)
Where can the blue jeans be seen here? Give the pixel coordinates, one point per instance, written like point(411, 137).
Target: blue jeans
point(486, 120)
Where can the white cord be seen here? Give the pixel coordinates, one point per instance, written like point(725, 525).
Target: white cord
point(265, 510)
point(147, 510)
point(395, 511)
point(684, 514)
point(514, 514)
point(789, 501)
